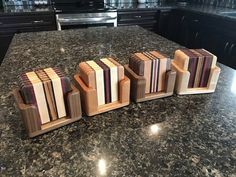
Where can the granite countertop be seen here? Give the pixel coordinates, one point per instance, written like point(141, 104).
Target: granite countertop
point(192, 135)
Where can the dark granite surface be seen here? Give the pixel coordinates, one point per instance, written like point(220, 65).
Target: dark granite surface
point(192, 135)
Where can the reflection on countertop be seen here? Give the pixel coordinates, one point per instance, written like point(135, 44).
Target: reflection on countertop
point(191, 135)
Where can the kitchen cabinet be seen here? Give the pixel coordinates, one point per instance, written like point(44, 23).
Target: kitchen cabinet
point(144, 18)
point(197, 30)
point(164, 23)
point(23, 22)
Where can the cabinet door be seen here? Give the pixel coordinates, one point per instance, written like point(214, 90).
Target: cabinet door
point(179, 28)
point(5, 41)
point(232, 55)
point(146, 19)
point(164, 24)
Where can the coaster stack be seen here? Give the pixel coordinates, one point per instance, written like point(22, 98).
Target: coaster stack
point(196, 71)
point(151, 76)
point(103, 86)
point(47, 100)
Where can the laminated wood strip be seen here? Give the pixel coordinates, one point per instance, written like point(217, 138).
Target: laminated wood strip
point(58, 91)
point(107, 80)
point(87, 74)
point(99, 82)
point(47, 84)
point(39, 96)
point(147, 69)
point(192, 66)
point(113, 79)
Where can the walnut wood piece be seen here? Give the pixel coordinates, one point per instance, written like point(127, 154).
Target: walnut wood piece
point(138, 86)
point(146, 69)
point(30, 115)
point(181, 84)
point(89, 97)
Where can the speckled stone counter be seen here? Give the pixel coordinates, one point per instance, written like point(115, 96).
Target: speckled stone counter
point(192, 135)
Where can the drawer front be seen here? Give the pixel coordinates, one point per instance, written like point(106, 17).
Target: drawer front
point(126, 17)
point(21, 21)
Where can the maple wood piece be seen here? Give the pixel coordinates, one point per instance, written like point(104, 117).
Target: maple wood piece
point(138, 85)
point(89, 97)
point(182, 80)
point(31, 118)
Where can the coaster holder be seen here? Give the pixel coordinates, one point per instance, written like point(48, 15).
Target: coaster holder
point(182, 80)
point(138, 85)
point(89, 97)
point(30, 114)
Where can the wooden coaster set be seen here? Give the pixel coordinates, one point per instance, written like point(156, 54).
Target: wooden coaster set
point(196, 71)
point(103, 86)
point(47, 100)
point(151, 76)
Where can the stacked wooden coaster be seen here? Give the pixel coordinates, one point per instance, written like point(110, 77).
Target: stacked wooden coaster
point(47, 100)
point(150, 75)
point(196, 71)
point(103, 85)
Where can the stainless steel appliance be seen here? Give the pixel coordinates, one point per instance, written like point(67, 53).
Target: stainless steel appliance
point(84, 14)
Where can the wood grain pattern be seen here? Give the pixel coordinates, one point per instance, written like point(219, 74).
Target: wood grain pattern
point(99, 82)
point(74, 103)
point(40, 97)
point(138, 83)
point(199, 69)
point(87, 74)
point(154, 72)
point(147, 69)
point(113, 79)
point(192, 66)
point(47, 84)
point(181, 59)
point(121, 71)
point(138, 86)
point(163, 64)
point(107, 80)
point(183, 77)
point(208, 58)
point(58, 92)
point(89, 96)
point(136, 65)
point(29, 115)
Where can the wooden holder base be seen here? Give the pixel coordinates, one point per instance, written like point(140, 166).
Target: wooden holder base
point(30, 115)
point(138, 85)
point(181, 84)
point(89, 97)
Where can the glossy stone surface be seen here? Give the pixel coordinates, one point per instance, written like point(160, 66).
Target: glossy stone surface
point(193, 135)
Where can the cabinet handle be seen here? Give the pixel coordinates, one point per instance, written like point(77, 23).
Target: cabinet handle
point(231, 48)
point(138, 16)
point(226, 45)
point(196, 35)
point(38, 21)
point(182, 19)
point(196, 21)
